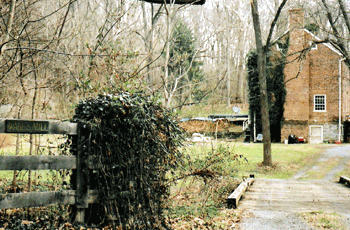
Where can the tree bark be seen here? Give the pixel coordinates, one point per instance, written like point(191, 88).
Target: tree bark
point(262, 82)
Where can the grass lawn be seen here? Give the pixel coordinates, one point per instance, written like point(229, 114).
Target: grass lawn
point(287, 159)
point(346, 171)
point(322, 220)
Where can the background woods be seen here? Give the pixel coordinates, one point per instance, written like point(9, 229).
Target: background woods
point(55, 53)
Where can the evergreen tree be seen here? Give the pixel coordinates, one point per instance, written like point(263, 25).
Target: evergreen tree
point(184, 64)
point(276, 94)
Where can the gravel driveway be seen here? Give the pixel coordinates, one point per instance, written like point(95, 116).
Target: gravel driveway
point(275, 203)
point(338, 151)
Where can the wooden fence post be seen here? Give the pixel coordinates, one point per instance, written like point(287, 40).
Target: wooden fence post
point(81, 176)
point(80, 196)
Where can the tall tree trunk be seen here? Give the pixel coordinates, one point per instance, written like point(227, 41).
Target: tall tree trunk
point(148, 41)
point(262, 82)
point(228, 80)
point(10, 20)
point(5, 38)
point(166, 63)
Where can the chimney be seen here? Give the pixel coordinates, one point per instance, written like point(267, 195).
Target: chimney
point(296, 19)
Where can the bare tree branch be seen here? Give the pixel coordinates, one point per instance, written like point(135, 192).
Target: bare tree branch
point(192, 2)
point(340, 41)
point(345, 14)
point(273, 24)
point(206, 94)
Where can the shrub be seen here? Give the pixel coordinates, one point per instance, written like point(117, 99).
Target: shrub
point(136, 141)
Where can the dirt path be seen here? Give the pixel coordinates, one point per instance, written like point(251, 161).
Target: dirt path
point(275, 204)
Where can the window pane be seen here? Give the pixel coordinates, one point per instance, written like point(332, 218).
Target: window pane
point(320, 102)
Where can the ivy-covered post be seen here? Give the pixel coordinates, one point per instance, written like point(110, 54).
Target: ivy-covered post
point(136, 142)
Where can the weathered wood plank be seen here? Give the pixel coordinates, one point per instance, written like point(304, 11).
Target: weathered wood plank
point(233, 199)
point(41, 162)
point(37, 127)
point(37, 199)
point(82, 180)
point(344, 180)
point(44, 162)
point(58, 127)
point(292, 195)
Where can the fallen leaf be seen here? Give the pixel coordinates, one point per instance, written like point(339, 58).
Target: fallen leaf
point(26, 222)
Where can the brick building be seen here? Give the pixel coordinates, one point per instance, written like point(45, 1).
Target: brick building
point(317, 84)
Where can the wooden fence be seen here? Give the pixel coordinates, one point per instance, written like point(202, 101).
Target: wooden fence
point(81, 197)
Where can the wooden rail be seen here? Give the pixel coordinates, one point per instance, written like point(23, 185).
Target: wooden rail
point(233, 199)
point(81, 197)
point(37, 199)
point(37, 162)
point(44, 162)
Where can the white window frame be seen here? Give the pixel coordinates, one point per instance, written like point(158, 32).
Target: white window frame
point(325, 103)
point(278, 47)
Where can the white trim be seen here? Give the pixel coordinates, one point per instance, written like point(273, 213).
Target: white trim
point(317, 38)
point(313, 45)
point(279, 37)
point(329, 45)
point(310, 136)
point(332, 48)
point(278, 47)
point(325, 103)
point(340, 101)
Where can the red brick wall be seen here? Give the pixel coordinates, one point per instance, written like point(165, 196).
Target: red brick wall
point(297, 71)
point(298, 129)
point(316, 73)
point(345, 92)
point(324, 79)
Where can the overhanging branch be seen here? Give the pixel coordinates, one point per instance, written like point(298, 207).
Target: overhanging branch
point(181, 2)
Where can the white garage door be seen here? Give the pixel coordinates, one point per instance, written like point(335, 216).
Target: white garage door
point(316, 134)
